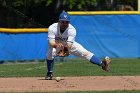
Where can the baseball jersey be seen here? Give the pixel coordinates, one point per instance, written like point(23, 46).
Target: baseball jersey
point(68, 36)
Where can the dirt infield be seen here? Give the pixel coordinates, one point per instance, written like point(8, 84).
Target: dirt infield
point(85, 83)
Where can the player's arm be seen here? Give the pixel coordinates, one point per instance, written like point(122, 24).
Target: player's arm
point(55, 44)
point(52, 43)
point(51, 38)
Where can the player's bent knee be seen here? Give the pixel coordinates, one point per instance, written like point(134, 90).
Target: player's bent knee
point(50, 57)
point(87, 55)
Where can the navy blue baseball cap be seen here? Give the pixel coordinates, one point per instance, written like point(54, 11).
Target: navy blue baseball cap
point(64, 16)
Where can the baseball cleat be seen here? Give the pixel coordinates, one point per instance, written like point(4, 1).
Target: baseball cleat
point(106, 64)
point(49, 76)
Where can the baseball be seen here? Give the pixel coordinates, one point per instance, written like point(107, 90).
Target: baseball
point(58, 79)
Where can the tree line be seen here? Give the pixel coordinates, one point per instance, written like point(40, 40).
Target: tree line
point(45, 12)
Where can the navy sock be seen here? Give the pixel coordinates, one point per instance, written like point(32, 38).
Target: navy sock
point(96, 60)
point(50, 64)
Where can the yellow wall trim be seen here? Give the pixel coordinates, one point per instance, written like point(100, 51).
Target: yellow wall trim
point(102, 12)
point(23, 30)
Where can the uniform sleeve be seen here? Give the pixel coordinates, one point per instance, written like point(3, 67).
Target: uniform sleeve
point(71, 36)
point(51, 34)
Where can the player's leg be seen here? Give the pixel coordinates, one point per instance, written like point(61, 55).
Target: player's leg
point(80, 51)
point(50, 63)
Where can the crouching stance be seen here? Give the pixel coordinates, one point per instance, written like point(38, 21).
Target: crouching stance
point(61, 38)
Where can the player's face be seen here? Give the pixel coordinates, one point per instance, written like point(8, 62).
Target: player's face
point(64, 25)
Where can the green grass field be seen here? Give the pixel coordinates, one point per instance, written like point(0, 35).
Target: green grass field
point(73, 67)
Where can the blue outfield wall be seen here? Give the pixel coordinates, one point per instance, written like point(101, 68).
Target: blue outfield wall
point(112, 35)
point(27, 46)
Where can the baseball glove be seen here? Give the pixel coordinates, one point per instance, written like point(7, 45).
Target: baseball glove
point(63, 52)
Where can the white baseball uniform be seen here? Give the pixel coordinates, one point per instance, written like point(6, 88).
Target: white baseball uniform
point(68, 36)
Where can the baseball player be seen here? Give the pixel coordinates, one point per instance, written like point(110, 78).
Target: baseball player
point(62, 34)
